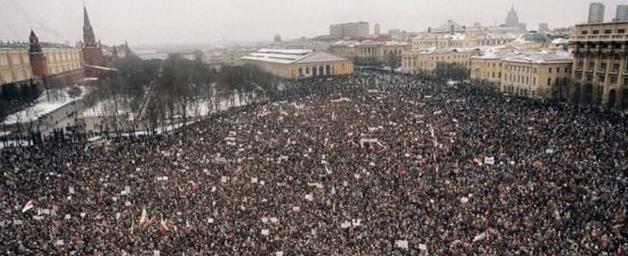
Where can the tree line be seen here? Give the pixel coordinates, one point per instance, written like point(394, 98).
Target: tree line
point(149, 94)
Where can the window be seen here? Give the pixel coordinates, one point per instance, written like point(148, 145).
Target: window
point(621, 31)
point(608, 31)
point(557, 70)
point(585, 32)
point(4, 60)
point(549, 81)
point(596, 32)
point(550, 70)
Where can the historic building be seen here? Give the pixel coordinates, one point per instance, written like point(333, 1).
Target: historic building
point(40, 64)
point(512, 21)
point(96, 63)
point(349, 30)
point(428, 60)
point(600, 67)
point(486, 68)
point(54, 65)
point(370, 52)
point(535, 73)
point(297, 64)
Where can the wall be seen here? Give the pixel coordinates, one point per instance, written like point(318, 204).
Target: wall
point(536, 80)
point(15, 65)
point(62, 60)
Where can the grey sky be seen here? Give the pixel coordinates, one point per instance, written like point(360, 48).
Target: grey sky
point(205, 21)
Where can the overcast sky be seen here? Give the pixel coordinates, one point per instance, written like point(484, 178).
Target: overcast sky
point(204, 21)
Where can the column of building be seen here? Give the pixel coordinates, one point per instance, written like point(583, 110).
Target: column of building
point(607, 76)
point(573, 90)
point(619, 93)
point(585, 74)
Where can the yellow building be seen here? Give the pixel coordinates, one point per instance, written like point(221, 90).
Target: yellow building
point(15, 65)
point(533, 73)
point(295, 64)
point(537, 75)
point(438, 40)
point(60, 65)
point(62, 60)
point(468, 39)
point(600, 67)
point(370, 52)
point(486, 68)
point(427, 61)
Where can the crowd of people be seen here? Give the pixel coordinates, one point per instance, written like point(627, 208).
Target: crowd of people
point(373, 164)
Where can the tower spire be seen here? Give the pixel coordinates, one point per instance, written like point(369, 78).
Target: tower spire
point(88, 33)
point(35, 46)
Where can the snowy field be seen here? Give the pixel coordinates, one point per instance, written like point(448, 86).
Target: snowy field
point(49, 101)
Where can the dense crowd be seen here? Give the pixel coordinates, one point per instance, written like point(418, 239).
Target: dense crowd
point(374, 164)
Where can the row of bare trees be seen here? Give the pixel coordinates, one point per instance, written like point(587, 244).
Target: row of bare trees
point(153, 94)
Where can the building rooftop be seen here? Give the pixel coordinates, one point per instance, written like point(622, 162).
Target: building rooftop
point(448, 50)
point(601, 23)
point(499, 52)
point(543, 56)
point(354, 43)
point(26, 45)
point(291, 56)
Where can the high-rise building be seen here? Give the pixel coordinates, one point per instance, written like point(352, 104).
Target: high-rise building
point(600, 71)
point(622, 13)
point(596, 12)
point(377, 29)
point(543, 27)
point(512, 20)
point(356, 29)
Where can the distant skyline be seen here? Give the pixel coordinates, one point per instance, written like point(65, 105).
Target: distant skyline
point(150, 22)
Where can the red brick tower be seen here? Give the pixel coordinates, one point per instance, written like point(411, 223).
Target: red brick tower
point(37, 57)
point(92, 53)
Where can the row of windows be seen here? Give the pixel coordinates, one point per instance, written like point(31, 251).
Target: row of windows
point(521, 79)
point(25, 59)
point(486, 64)
point(445, 57)
point(603, 65)
point(63, 56)
point(15, 59)
point(606, 31)
point(429, 64)
point(316, 71)
point(16, 75)
point(601, 78)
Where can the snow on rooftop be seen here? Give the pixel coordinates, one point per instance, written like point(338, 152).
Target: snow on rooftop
point(558, 41)
point(286, 51)
point(101, 68)
point(288, 56)
point(542, 56)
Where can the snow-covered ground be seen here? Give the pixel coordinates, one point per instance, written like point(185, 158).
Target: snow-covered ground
point(49, 101)
point(108, 107)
